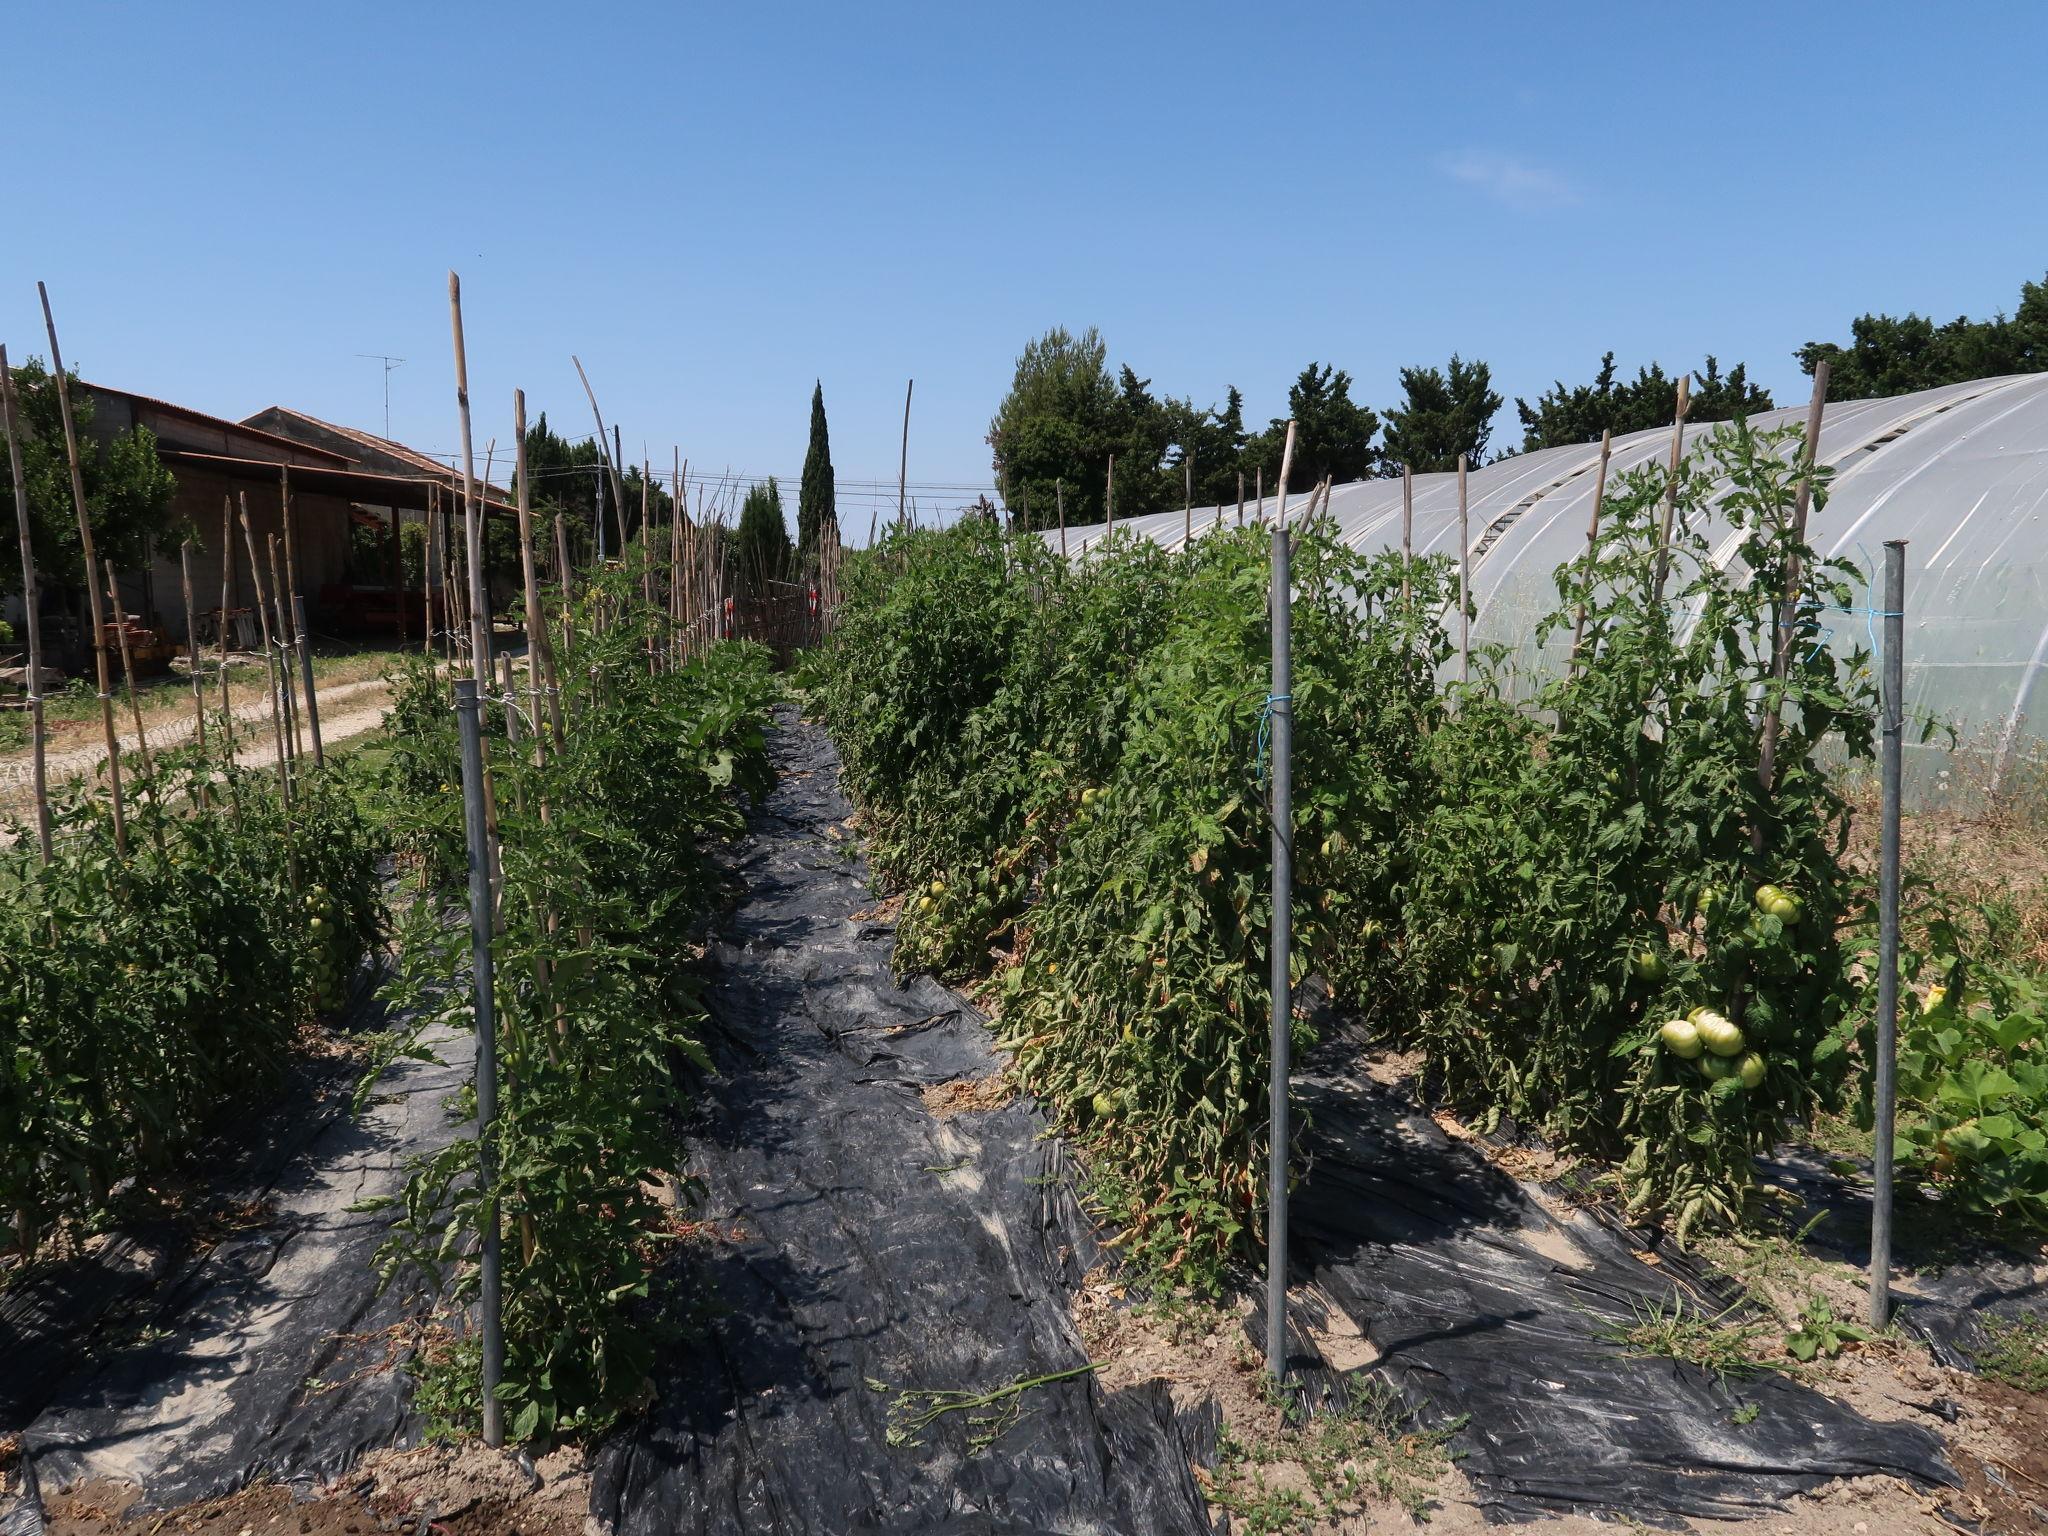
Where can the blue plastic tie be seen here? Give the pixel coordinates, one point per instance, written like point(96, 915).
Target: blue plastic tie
point(1266, 726)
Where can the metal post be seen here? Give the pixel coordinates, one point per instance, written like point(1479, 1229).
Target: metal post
point(1280, 706)
point(306, 675)
point(468, 717)
point(1892, 715)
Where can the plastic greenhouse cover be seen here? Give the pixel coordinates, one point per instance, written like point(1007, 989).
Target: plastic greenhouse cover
point(1959, 472)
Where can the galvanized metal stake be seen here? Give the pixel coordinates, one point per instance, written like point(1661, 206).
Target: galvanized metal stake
point(306, 675)
point(468, 717)
point(1279, 707)
point(1892, 713)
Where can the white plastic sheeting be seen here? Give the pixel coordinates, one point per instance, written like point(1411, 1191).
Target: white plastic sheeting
point(1960, 473)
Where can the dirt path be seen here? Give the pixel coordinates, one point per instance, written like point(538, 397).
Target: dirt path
point(346, 710)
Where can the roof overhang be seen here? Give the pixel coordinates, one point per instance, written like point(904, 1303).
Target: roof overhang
point(409, 492)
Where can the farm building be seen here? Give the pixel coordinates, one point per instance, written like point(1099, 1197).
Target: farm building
point(349, 492)
point(1960, 473)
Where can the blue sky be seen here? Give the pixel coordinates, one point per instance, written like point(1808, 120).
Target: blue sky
point(714, 206)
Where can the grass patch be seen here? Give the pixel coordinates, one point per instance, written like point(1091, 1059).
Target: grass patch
point(2017, 1353)
point(1327, 1467)
point(1678, 1330)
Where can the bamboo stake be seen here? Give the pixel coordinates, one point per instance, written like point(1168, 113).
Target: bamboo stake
point(429, 568)
point(192, 651)
point(92, 589)
point(284, 663)
point(1109, 499)
point(903, 462)
point(284, 779)
point(674, 604)
point(1187, 477)
point(537, 643)
point(31, 613)
point(1286, 469)
point(1788, 613)
point(472, 516)
point(1407, 535)
point(1240, 498)
point(1671, 487)
point(1059, 493)
point(227, 593)
point(128, 673)
point(604, 452)
point(1592, 544)
point(647, 554)
point(1464, 580)
point(295, 606)
point(1259, 480)
point(565, 579)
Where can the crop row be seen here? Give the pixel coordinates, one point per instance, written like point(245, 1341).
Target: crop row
point(1596, 913)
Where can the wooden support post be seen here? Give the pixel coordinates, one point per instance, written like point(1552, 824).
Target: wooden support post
point(1464, 580)
point(1671, 488)
point(539, 664)
point(1592, 547)
point(1286, 469)
point(604, 452)
point(1109, 499)
point(1240, 498)
point(903, 461)
point(1788, 608)
point(284, 777)
point(1407, 535)
point(302, 643)
point(1187, 516)
point(128, 673)
point(32, 617)
point(192, 652)
point(472, 513)
point(284, 654)
point(1059, 496)
point(92, 591)
point(227, 595)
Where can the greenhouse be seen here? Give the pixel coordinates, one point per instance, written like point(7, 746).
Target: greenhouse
point(1960, 473)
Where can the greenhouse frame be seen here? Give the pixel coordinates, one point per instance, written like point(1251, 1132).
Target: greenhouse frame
point(1960, 473)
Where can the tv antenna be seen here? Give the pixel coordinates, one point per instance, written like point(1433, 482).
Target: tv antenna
point(389, 364)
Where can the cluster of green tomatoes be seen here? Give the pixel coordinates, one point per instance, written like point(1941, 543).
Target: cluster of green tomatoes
point(1709, 1039)
point(325, 941)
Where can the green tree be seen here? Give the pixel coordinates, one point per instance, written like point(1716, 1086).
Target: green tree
point(1443, 413)
point(1058, 425)
point(761, 547)
point(127, 489)
point(1895, 355)
point(1579, 414)
point(1333, 435)
point(816, 507)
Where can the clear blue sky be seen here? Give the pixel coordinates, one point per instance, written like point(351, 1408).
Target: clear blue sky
point(716, 205)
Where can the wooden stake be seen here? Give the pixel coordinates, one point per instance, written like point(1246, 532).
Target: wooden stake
point(1259, 480)
point(1109, 500)
point(1592, 544)
point(227, 593)
point(604, 450)
point(284, 778)
point(1407, 534)
point(1240, 498)
point(1187, 479)
point(429, 551)
point(294, 604)
point(1788, 612)
point(1671, 487)
point(284, 655)
point(903, 462)
point(1286, 469)
point(1059, 495)
point(472, 514)
point(1464, 581)
point(92, 587)
point(537, 643)
point(192, 652)
point(128, 672)
point(32, 617)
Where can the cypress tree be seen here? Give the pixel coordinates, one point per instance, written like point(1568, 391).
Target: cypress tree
point(815, 508)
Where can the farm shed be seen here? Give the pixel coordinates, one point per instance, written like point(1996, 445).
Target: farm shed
point(1959, 472)
point(339, 479)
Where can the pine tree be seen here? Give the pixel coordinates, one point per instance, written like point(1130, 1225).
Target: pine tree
point(761, 551)
point(816, 510)
point(1445, 414)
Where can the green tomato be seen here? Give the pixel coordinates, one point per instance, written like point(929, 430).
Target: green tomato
point(1713, 1068)
point(1649, 966)
point(1721, 1035)
point(1103, 1105)
point(1750, 1068)
point(1765, 895)
point(1786, 909)
point(1681, 1039)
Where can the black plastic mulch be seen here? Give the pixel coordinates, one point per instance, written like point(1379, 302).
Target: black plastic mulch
point(880, 1248)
